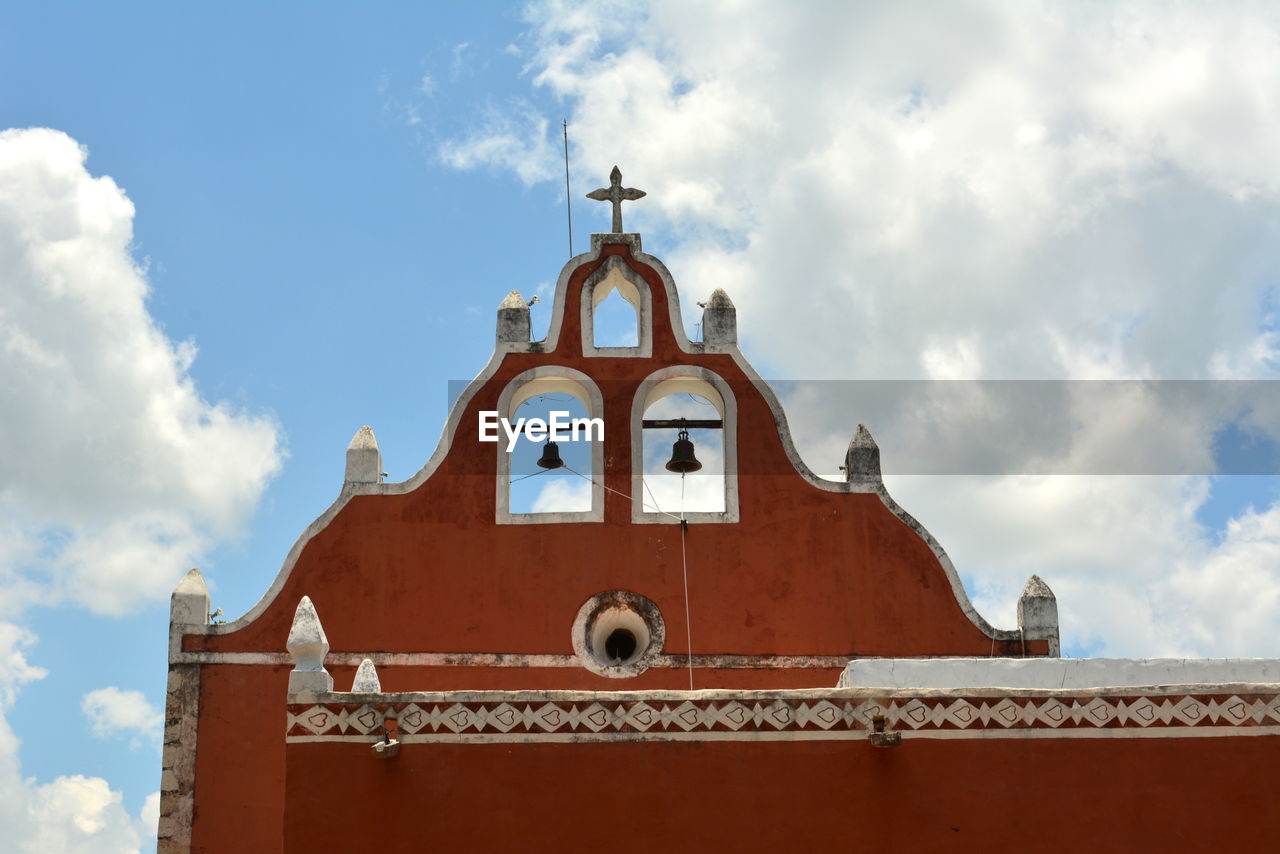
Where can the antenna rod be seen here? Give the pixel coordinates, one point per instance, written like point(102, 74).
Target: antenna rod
point(568, 205)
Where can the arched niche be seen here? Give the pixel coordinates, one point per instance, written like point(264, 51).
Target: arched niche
point(614, 275)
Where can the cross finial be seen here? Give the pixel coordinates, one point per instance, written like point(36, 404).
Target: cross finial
point(617, 194)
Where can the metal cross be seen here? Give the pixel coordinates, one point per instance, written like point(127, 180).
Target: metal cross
point(617, 194)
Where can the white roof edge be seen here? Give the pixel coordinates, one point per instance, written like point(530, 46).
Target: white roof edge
point(1055, 673)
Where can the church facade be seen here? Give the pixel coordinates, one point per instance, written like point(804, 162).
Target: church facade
point(438, 668)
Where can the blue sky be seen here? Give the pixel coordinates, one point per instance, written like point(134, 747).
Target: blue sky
point(330, 200)
point(298, 230)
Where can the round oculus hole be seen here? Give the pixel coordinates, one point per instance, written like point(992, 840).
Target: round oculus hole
point(618, 636)
point(618, 633)
point(619, 646)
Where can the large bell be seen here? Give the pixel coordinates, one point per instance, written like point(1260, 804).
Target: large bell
point(550, 458)
point(682, 459)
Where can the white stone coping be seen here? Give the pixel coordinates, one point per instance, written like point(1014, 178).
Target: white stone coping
point(1067, 674)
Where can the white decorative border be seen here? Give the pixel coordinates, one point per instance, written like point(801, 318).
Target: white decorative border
point(529, 716)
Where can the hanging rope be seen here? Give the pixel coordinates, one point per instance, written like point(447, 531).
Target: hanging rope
point(653, 499)
point(608, 488)
point(527, 476)
point(684, 558)
point(684, 567)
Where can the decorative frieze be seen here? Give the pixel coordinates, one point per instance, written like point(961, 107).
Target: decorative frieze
point(840, 715)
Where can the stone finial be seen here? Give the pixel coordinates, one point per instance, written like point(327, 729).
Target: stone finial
point(189, 604)
point(308, 646)
point(364, 459)
point(366, 681)
point(862, 459)
point(1038, 614)
point(719, 321)
point(513, 320)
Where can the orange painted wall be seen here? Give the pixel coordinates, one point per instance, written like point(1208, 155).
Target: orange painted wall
point(806, 572)
point(1000, 795)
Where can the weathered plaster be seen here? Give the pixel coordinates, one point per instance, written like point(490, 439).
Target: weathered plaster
point(1038, 614)
point(364, 459)
point(366, 679)
point(189, 604)
point(513, 320)
point(719, 323)
point(715, 661)
point(862, 458)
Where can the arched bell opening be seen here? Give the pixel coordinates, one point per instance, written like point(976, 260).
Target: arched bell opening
point(684, 422)
point(683, 436)
point(549, 474)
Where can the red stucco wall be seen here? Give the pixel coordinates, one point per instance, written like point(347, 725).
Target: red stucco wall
point(998, 795)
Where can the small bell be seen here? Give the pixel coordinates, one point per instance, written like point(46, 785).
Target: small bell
point(550, 458)
point(682, 459)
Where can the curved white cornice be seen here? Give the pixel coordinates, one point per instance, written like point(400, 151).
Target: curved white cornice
point(550, 343)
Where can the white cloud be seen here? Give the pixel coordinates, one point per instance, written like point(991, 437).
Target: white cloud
point(112, 711)
point(974, 186)
point(514, 139)
point(73, 814)
point(77, 814)
point(563, 496)
point(15, 671)
point(996, 190)
point(119, 473)
point(149, 817)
